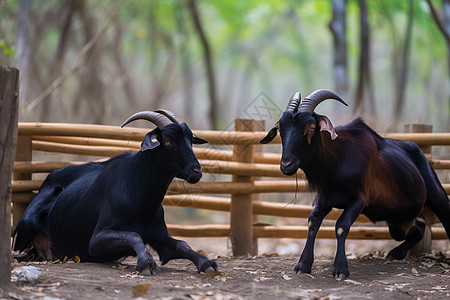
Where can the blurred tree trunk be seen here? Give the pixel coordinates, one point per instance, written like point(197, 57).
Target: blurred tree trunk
point(91, 90)
point(122, 70)
point(162, 86)
point(338, 28)
point(162, 63)
point(23, 46)
point(403, 64)
point(364, 76)
point(187, 75)
point(57, 66)
point(444, 27)
point(446, 9)
point(207, 55)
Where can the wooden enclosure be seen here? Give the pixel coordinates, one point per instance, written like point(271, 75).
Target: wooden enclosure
point(253, 171)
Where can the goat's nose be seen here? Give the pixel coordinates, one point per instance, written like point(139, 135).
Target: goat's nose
point(285, 163)
point(197, 170)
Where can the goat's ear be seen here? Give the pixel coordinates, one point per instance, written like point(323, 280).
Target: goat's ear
point(270, 135)
point(150, 141)
point(197, 140)
point(325, 125)
point(309, 131)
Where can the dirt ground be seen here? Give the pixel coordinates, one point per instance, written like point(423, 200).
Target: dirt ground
point(262, 277)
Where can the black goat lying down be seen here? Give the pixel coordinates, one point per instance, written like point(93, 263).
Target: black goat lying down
point(353, 168)
point(102, 211)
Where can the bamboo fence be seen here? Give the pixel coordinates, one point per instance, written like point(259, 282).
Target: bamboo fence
point(252, 171)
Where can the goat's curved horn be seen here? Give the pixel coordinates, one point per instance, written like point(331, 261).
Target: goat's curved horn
point(294, 102)
point(292, 107)
point(311, 101)
point(158, 119)
point(169, 115)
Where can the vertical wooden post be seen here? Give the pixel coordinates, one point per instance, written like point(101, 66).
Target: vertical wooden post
point(241, 211)
point(23, 153)
point(9, 103)
point(424, 246)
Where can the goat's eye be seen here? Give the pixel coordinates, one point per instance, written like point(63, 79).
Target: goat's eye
point(168, 143)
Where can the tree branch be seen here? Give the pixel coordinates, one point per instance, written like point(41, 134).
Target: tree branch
point(208, 62)
point(438, 21)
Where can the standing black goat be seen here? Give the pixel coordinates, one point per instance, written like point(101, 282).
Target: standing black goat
point(102, 211)
point(353, 168)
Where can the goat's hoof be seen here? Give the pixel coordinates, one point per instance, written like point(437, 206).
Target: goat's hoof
point(301, 268)
point(208, 267)
point(147, 272)
point(340, 276)
point(396, 254)
point(209, 270)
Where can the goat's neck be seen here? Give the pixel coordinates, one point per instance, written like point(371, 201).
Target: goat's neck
point(320, 169)
point(151, 181)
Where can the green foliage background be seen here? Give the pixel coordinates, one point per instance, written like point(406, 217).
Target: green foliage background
point(276, 47)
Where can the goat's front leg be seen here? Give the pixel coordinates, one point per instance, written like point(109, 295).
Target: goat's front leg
point(314, 221)
point(347, 218)
point(107, 242)
point(171, 248)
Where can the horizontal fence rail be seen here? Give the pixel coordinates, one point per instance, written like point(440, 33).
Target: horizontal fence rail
point(249, 177)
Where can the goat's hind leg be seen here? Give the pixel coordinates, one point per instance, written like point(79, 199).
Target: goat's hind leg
point(411, 236)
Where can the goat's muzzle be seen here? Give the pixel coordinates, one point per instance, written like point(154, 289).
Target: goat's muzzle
point(194, 175)
point(288, 166)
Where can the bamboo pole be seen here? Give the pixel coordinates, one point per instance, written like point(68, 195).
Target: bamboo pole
point(267, 158)
point(213, 154)
point(84, 130)
point(103, 151)
point(109, 151)
point(42, 166)
point(422, 139)
point(295, 211)
point(88, 141)
point(294, 232)
point(22, 198)
point(178, 187)
point(199, 230)
point(440, 164)
point(197, 201)
point(328, 232)
point(259, 207)
point(214, 137)
point(131, 133)
point(19, 186)
point(245, 169)
point(208, 166)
